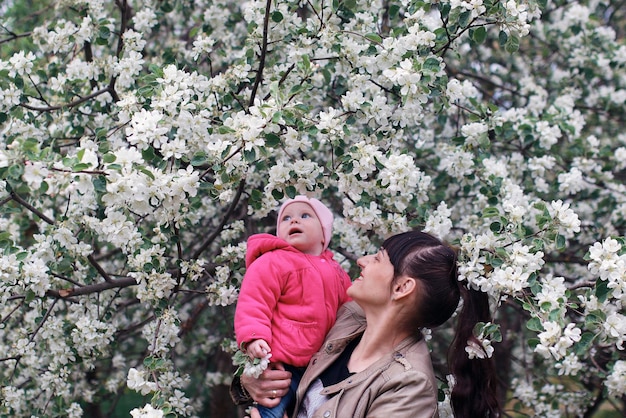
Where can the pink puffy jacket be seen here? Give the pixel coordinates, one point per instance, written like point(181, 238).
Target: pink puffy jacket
point(288, 298)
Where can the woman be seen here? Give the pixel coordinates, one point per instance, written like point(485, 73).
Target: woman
point(375, 362)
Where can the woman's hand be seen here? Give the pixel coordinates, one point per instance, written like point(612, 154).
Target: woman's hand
point(270, 386)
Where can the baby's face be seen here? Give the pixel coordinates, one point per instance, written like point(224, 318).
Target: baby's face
point(301, 228)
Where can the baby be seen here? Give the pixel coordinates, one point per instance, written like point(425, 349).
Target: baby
point(291, 291)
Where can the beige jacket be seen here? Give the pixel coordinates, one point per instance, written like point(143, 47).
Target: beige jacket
point(400, 385)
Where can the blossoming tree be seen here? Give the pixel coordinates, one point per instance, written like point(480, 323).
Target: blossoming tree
point(141, 142)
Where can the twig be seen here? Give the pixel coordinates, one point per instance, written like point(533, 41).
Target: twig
point(217, 231)
point(30, 207)
point(66, 105)
point(98, 287)
point(259, 73)
point(43, 320)
point(14, 37)
point(13, 310)
point(67, 279)
point(64, 170)
point(187, 326)
point(98, 267)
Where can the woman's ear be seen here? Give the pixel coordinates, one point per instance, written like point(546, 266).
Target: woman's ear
point(404, 286)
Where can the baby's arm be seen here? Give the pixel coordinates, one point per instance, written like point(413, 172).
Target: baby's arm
point(258, 348)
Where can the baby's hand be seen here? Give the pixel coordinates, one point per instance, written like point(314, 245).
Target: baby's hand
point(258, 348)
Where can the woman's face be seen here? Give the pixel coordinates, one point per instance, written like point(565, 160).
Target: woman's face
point(373, 286)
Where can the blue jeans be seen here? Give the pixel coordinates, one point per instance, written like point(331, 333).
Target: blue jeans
point(279, 410)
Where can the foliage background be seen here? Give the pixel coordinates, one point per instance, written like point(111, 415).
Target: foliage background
point(142, 142)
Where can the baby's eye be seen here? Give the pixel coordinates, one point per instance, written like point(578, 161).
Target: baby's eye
point(306, 215)
point(286, 218)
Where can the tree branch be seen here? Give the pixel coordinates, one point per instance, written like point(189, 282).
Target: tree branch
point(5, 200)
point(217, 231)
point(259, 73)
point(14, 37)
point(17, 306)
point(95, 288)
point(31, 208)
point(68, 105)
point(43, 320)
point(187, 325)
point(98, 267)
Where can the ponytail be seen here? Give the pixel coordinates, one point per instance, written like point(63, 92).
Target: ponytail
point(474, 391)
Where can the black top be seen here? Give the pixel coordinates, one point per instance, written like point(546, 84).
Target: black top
point(338, 371)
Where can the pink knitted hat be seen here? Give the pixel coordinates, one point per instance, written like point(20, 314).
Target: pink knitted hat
point(323, 214)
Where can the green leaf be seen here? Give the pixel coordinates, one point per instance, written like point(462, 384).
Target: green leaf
point(503, 38)
point(512, 44)
point(464, 19)
point(297, 89)
point(148, 362)
point(305, 63)
point(100, 184)
point(278, 195)
point(495, 226)
point(534, 324)
point(199, 158)
point(250, 155)
point(602, 290)
point(272, 140)
point(256, 197)
point(19, 82)
point(538, 244)
point(432, 64)
point(277, 16)
point(490, 212)
point(147, 172)
point(225, 130)
point(5, 239)
point(109, 158)
point(16, 171)
point(104, 32)
point(582, 347)
point(80, 166)
point(348, 4)
point(167, 6)
point(374, 37)
point(479, 35)
point(560, 242)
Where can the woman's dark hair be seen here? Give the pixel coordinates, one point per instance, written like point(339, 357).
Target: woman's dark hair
point(434, 264)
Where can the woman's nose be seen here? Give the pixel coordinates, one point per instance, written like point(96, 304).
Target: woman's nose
point(362, 261)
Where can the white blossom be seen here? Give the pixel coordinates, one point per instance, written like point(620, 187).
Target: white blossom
point(566, 219)
point(146, 412)
point(137, 381)
point(616, 381)
point(21, 64)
